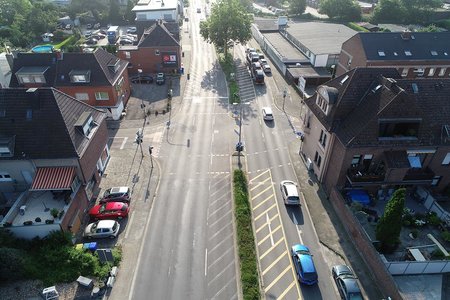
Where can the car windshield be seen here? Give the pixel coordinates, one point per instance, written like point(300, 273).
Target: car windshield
point(124, 208)
point(102, 209)
point(114, 227)
point(294, 198)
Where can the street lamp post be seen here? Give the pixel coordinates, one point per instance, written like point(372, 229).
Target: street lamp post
point(151, 157)
point(284, 96)
point(239, 145)
point(138, 140)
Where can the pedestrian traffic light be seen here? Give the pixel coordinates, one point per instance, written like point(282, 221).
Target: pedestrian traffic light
point(150, 149)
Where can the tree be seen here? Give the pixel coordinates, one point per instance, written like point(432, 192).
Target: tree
point(114, 13)
point(389, 11)
point(297, 7)
point(420, 10)
point(228, 22)
point(346, 10)
point(129, 15)
point(390, 224)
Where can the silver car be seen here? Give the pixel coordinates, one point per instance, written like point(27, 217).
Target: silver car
point(102, 229)
point(290, 193)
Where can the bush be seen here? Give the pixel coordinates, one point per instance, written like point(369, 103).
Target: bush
point(437, 254)
point(446, 236)
point(12, 262)
point(433, 219)
point(245, 239)
point(356, 27)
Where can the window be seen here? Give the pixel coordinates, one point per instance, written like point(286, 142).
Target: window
point(405, 72)
point(101, 96)
point(78, 78)
point(442, 71)
point(436, 180)
point(157, 52)
point(433, 52)
point(5, 176)
point(29, 114)
point(446, 160)
point(431, 71)
point(6, 147)
point(322, 104)
point(408, 53)
point(399, 128)
point(344, 79)
point(356, 159)
point(127, 54)
point(319, 161)
point(24, 79)
point(381, 53)
point(395, 54)
point(323, 138)
point(419, 71)
point(82, 96)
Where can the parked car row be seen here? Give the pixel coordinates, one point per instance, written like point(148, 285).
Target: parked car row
point(114, 205)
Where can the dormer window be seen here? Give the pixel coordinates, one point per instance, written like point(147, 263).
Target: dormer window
point(114, 66)
point(7, 147)
point(326, 97)
point(85, 124)
point(27, 75)
point(80, 76)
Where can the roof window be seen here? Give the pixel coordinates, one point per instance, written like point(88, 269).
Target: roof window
point(415, 88)
point(85, 123)
point(434, 52)
point(381, 53)
point(80, 76)
point(344, 79)
point(408, 52)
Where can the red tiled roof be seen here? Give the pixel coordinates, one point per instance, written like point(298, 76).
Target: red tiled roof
point(53, 178)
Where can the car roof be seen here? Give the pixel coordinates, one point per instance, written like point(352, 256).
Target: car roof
point(342, 270)
point(291, 187)
point(307, 263)
point(105, 223)
point(351, 285)
point(259, 72)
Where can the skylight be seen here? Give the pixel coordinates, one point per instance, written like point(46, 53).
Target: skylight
point(408, 53)
point(395, 54)
point(415, 88)
point(344, 79)
point(433, 52)
point(381, 53)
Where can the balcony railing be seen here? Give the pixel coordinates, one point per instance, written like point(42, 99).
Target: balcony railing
point(356, 175)
point(424, 174)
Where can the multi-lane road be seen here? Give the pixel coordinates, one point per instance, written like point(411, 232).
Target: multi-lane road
point(188, 242)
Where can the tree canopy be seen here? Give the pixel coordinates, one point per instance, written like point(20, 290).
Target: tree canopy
point(297, 7)
point(405, 11)
point(228, 22)
point(390, 224)
point(345, 10)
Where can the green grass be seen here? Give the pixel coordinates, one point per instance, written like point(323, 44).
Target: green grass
point(226, 62)
point(245, 238)
point(356, 27)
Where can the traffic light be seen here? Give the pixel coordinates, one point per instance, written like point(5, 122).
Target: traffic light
point(239, 146)
point(139, 137)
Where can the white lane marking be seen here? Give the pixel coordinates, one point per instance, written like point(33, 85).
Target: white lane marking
point(270, 229)
point(295, 220)
point(123, 143)
point(206, 261)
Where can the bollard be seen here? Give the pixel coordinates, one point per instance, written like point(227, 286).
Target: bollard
point(188, 76)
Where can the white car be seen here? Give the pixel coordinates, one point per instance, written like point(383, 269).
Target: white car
point(102, 229)
point(267, 69)
point(132, 29)
point(267, 114)
point(290, 192)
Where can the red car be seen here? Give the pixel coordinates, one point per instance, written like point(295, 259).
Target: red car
point(110, 210)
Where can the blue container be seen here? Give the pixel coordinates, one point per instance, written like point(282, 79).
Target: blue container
point(90, 246)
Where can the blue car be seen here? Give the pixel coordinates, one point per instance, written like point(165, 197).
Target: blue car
point(304, 264)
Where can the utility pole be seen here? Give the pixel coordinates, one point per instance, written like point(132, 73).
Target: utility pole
point(284, 96)
point(239, 145)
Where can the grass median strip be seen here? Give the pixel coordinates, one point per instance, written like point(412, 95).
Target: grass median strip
point(246, 242)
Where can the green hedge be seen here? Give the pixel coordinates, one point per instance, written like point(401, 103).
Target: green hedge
point(356, 27)
point(228, 67)
point(245, 238)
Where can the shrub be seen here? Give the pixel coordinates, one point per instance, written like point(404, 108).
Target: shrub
point(388, 228)
point(437, 254)
point(12, 262)
point(446, 236)
point(356, 27)
point(433, 219)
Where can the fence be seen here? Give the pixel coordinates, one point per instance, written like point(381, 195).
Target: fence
point(431, 204)
point(417, 267)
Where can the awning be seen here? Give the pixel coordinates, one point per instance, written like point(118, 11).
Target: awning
point(53, 178)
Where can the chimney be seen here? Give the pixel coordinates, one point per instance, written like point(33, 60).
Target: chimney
point(406, 35)
point(33, 94)
point(59, 55)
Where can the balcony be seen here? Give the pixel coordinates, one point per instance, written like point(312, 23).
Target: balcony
point(359, 176)
point(422, 175)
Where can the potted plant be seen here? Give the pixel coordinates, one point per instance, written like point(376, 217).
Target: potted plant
point(54, 212)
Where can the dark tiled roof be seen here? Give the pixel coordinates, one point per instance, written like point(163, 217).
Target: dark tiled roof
point(156, 36)
point(58, 73)
point(50, 133)
point(393, 45)
point(368, 96)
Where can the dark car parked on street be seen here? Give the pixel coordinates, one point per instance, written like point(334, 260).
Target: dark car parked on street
point(346, 283)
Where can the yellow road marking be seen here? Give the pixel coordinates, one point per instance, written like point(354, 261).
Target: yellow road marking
point(273, 263)
point(260, 183)
point(278, 278)
point(264, 239)
point(262, 214)
point(287, 290)
point(270, 196)
point(259, 175)
point(271, 248)
point(263, 191)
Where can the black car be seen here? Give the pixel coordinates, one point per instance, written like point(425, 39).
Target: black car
point(92, 41)
point(141, 79)
point(346, 283)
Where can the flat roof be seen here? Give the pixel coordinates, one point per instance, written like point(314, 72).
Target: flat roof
point(308, 72)
point(321, 37)
point(149, 5)
point(285, 48)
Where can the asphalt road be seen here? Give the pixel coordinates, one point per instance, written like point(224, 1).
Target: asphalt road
point(277, 227)
point(188, 249)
